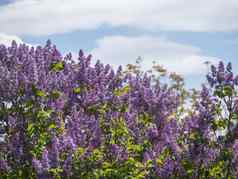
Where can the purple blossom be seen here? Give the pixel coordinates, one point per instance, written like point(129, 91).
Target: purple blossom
point(3, 165)
point(82, 116)
point(37, 166)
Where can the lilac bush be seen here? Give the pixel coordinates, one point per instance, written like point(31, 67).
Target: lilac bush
point(67, 118)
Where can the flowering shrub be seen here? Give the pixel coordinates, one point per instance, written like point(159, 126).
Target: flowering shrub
point(65, 119)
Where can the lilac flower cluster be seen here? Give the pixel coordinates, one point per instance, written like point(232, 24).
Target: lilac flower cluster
point(68, 118)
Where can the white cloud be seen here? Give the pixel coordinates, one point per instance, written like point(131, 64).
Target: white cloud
point(121, 50)
point(7, 39)
point(41, 17)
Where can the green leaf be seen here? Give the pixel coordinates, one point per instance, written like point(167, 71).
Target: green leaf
point(43, 140)
point(56, 172)
point(228, 90)
point(219, 93)
point(40, 93)
point(149, 163)
point(55, 94)
point(217, 170)
point(106, 165)
point(52, 126)
point(44, 114)
point(21, 91)
point(77, 90)
point(124, 90)
point(188, 166)
point(57, 66)
point(30, 129)
point(226, 154)
point(92, 109)
point(222, 124)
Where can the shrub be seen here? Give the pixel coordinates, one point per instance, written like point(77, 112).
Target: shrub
point(62, 118)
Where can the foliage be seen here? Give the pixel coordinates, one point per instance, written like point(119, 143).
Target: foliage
point(65, 119)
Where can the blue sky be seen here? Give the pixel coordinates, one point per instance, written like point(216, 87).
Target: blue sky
point(179, 34)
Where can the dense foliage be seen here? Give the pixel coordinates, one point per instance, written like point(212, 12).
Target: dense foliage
point(62, 118)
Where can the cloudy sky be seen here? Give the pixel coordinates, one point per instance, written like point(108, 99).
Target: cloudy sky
point(179, 34)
